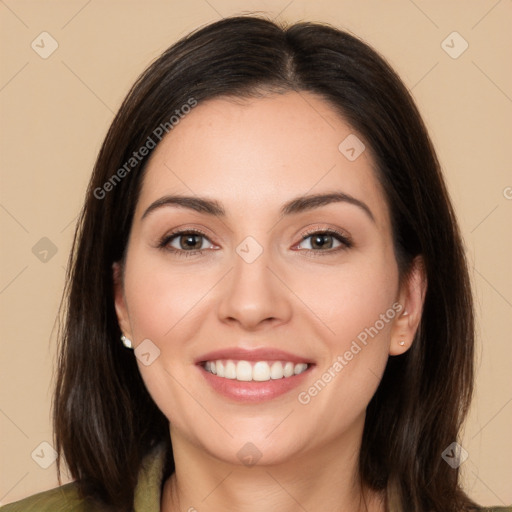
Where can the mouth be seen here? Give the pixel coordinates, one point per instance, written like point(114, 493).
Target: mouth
point(253, 375)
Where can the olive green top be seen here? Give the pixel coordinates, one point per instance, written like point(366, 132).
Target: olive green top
point(147, 493)
point(65, 498)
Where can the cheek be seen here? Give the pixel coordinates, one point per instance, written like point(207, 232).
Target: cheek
point(352, 298)
point(359, 307)
point(159, 299)
point(163, 306)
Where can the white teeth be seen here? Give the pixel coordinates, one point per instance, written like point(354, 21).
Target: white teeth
point(276, 370)
point(299, 368)
point(243, 371)
point(230, 370)
point(288, 369)
point(260, 371)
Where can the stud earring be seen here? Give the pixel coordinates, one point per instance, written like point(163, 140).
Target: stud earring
point(401, 343)
point(126, 342)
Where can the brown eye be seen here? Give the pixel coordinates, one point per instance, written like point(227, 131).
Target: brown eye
point(322, 241)
point(190, 241)
point(325, 241)
point(185, 242)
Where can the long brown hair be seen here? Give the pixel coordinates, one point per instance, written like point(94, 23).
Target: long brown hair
point(104, 419)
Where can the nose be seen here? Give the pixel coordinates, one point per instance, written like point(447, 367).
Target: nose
point(253, 295)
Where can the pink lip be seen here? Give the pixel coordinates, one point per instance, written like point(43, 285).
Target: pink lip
point(251, 392)
point(258, 354)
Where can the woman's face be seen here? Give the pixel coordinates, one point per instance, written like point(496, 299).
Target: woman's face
point(262, 271)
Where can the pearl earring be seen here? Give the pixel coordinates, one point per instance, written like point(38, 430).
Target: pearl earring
point(126, 342)
point(401, 343)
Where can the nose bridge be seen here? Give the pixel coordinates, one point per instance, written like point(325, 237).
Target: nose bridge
point(251, 268)
point(253, 294)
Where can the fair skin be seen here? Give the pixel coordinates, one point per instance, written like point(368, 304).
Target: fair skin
point(252, 157)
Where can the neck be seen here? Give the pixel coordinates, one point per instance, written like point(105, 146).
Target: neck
point(316, 481)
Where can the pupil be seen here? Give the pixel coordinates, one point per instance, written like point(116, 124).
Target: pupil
point(190, 241)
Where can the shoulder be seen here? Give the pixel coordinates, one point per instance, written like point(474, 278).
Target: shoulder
point(61, 499)
point(66, 497)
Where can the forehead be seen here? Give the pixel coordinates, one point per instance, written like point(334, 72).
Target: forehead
point(260, 152)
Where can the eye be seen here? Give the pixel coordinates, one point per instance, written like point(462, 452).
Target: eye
point(191, 242)
point(186, 242)
point(325, 241)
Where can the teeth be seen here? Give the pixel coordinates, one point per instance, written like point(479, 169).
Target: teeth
point(276, 370)
point(299, 368)
point(288, 369)
point(243, 371)
point(230, 370)
point(260, 371)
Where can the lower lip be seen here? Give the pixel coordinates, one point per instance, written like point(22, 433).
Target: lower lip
point(253, 391)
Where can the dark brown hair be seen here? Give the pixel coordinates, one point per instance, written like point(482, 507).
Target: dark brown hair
point(106, 422)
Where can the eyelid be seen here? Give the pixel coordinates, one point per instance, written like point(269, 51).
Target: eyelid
point(327, 230)
point(189, 228)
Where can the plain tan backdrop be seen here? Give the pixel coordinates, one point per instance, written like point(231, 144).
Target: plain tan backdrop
point(56, 110)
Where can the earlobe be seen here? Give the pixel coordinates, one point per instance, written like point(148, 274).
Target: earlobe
point(119, 300)
point(412, 297)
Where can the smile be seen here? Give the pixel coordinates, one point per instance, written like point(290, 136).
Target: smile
point(259, 371)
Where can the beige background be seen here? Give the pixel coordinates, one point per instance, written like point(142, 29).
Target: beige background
point(55, 113)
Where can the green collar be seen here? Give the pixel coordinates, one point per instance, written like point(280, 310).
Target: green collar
point(149, 485)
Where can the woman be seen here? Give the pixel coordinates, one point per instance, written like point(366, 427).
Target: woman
point(268, 305)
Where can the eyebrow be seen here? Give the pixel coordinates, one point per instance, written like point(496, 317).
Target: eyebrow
point(297, 205)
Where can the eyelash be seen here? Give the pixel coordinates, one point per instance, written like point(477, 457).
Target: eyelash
point(346, 242)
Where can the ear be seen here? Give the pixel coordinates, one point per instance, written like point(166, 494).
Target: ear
point(120, 301)
point(411, 297)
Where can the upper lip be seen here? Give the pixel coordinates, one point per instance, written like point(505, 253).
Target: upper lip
point(257, 354)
